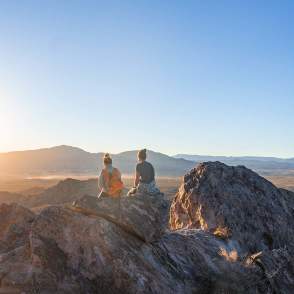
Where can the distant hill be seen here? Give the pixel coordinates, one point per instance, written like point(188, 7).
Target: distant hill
point(265, 165)
point(63, 160)
point(67, 160)
point(7, 197)
point(65, 191)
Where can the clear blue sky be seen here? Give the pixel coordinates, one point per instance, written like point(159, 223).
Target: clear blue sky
point(202, 77)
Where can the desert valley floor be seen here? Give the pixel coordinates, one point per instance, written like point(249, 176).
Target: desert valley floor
point(169, 186)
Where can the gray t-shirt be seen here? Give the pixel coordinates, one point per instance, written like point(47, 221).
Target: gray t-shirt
point(146, 172)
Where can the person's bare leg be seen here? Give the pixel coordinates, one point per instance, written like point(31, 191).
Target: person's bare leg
point(102, 195)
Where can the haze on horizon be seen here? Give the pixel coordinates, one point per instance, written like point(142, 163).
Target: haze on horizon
point(176, 155)
point(213, 77)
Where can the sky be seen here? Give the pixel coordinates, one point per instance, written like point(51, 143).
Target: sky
point(197, 77)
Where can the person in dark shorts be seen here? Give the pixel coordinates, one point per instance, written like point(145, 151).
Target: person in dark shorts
point(145, 176)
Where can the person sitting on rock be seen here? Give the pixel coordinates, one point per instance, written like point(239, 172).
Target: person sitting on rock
point(145, 176)
point(110, 181)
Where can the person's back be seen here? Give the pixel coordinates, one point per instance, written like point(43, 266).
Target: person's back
point(110, 181)
point(145, 176)
point(146, 172)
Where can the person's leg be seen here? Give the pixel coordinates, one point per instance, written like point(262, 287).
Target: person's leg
point(142, 188)
point(103, 195)
point(132, 191)
point(152, 189)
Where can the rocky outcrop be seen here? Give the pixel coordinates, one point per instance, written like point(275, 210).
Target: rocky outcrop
point(146, 217)
point(248, 212)
point(15, 267)
point(15, 223)
point(65, 191)
point(97, 246)
point(69, 252)
point(236, 203)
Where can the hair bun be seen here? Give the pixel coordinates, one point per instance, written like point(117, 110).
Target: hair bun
point(107, 159)
point(142, 154)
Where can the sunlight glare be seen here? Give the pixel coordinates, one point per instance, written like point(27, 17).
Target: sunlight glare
point(7, 122)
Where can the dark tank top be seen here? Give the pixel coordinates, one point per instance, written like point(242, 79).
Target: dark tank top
point(146, 172)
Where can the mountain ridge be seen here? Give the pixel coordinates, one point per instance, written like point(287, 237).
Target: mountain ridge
point(69, 160)
point(258, 163)
point(265, 158)
point(66, 159)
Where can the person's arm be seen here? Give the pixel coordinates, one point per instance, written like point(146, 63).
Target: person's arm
point(101, 183)
point(153, 171)
point(137, 176)
point(119, 175)
point(137, 179)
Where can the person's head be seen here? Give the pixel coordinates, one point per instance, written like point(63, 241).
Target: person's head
point(142, 155)
point(107, 160)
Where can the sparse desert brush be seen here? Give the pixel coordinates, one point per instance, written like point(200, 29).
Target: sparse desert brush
point(231, 256)
point(222, 232)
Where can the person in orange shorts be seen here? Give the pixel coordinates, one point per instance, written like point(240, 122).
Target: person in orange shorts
point(110, 181)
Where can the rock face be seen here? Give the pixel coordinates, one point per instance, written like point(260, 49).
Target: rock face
point(146, 217)
point(246, 210)
point(68, 252)
point(94, 247)
point(15, 223)
point(235, 202)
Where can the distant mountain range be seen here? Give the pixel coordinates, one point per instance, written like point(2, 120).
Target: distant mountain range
point(265, 165)
point(67, 160)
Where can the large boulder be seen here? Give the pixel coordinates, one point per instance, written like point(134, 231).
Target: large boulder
point(94, 255)
point(144, 216)
point(235, 203)
point(15, 267)
point(74, 253)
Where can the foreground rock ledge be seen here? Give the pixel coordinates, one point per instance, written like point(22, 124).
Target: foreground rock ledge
point(144, 216)
point(67, 252)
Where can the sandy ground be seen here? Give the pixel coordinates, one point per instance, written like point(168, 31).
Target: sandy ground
point(286, 182)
